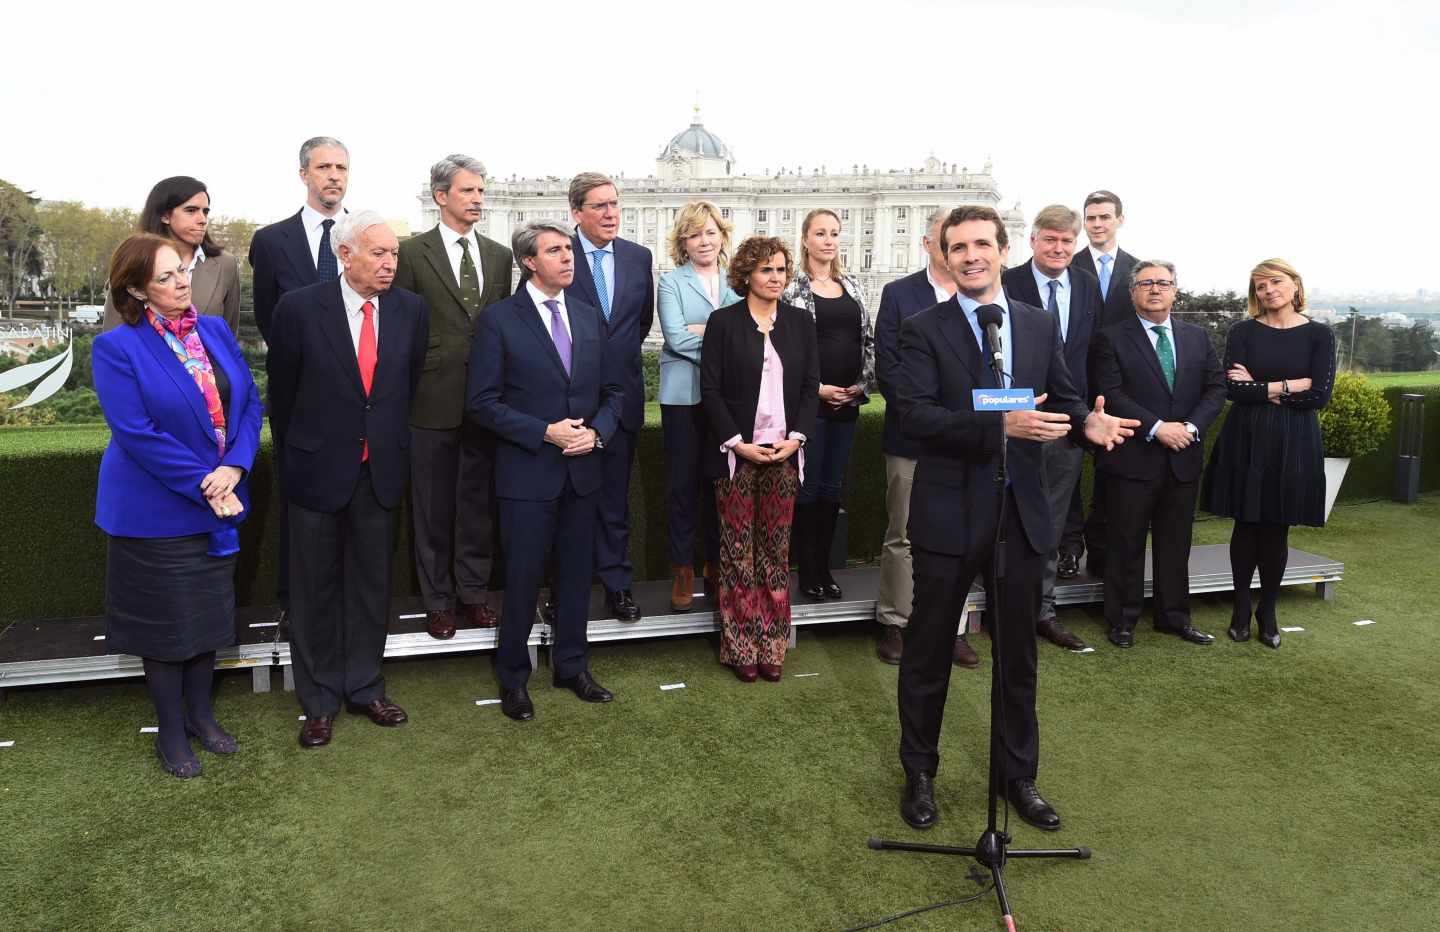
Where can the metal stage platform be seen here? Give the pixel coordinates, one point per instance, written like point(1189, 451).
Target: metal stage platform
point(73, 649)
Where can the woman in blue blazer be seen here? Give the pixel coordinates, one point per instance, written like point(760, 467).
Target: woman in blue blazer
point(700, 249)
point(184, 420)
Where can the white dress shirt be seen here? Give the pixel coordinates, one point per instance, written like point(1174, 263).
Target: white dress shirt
point(195, 260)
point(1169, 324)
point(1062, 295)
point(942, 294)
point(354, 301)
point(540, 298)
point(451, 239)
point(314, 222)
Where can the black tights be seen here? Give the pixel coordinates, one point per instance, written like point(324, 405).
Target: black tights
point(182, 690)
point(1266, 546)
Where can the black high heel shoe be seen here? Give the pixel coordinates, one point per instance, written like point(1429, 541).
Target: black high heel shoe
point(1269, 632)
point(1239, 629)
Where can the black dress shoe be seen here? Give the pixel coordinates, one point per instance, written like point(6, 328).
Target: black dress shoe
point(1270, 633)
point(583, 685)
point(829, 588)
point(1239, 630)
point(516, 704)
point(918, 807)
point(1194, 635)
point(622, 605)
point(1068, 566)
point(891, 644)
point(1053, 631)
point(1031, 806)
point(812, 589)
point(1120, 637)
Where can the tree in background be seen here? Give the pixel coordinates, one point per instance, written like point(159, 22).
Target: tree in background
point(19, 242)
point(1213, 310)
point(77, 245)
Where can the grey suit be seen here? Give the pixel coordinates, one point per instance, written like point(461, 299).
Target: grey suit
point(214, 290)
point(457, 536)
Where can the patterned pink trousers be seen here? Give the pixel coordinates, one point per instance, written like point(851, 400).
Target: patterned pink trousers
point(755, 509)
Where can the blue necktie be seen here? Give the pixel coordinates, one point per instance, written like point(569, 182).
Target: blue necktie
point(1105, 275)
point(597, 269)
point(1053, 306)
point(326, 268)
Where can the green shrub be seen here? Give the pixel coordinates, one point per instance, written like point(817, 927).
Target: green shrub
point(1357, 418)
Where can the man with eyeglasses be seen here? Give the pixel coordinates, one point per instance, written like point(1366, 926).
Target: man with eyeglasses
point(1163, 373)
point(614, 275)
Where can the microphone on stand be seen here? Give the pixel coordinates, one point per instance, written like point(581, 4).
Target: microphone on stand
point(990, 316)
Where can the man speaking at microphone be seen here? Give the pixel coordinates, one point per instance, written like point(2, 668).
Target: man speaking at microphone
point(955, 505)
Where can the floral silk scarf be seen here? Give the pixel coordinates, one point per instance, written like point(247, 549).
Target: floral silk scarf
point(183, 338)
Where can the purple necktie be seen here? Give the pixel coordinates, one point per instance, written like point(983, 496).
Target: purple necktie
point(559, 334)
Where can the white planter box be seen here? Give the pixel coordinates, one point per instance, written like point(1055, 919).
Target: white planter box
point(1335, 467)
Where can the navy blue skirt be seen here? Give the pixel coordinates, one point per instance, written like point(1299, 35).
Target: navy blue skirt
point(166, 598)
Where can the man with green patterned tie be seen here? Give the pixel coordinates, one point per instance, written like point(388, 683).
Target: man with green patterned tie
point(456, 528)
point(1162, 372)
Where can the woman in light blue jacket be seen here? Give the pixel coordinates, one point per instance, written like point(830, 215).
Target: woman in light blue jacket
point(700, 248)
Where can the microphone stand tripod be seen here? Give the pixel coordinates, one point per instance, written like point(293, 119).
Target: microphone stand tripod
point(992, 850)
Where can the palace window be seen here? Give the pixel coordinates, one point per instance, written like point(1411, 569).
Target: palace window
point(844, 215)
point(762, 216)
point(868, 215)
point(865, 265)
point(902, 213)
point(724, 213)
point(784, 216)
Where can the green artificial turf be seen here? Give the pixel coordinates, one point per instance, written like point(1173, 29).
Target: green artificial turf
point(1220, 787)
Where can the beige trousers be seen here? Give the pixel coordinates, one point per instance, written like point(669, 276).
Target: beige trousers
point(892, 604)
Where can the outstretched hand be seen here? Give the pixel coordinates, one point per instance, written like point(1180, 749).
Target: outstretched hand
point(1107, 430)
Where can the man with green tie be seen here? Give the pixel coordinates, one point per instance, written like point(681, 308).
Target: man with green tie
point(458, 272)
point(1162, 372)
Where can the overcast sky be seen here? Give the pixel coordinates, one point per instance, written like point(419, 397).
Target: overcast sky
point(1233, 131)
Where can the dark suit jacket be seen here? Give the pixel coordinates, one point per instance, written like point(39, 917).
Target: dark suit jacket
point(953, 505)
point(1127, 372)
point(281, 260)
point(731, 359)
point(424, 268)
point(631, 314)
point(518, 387)
point(1117, 302)
point(162, 442)
point(214, 290)
point(899, 300)
point(1019, 283)
point(319, 412)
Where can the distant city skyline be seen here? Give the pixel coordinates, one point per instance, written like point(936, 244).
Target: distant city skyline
point(1243, 131)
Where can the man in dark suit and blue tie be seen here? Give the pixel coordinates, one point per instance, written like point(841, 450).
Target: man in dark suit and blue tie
point(955, 510)
point(1104, 216)
point(614, 275)
point(541, 379)
point(1164, 373)
point(1069, 294)
point(899, 301)
point(294, 253)
point(343, 367)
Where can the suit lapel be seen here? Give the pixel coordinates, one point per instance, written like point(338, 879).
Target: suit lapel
point(524, 308)
point(388, 343)
point(584, 281)
point(617, 265)
point(204, 282)
point(962, 340)
point(165, 359)
point(297, 249)
point(1142, 343)
point(439, 260)
point(692, 278)
point(336, 325)
point(1026, 290)
point(924, 294)
point(1082, 311)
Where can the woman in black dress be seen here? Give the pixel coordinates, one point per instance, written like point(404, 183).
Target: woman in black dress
point(1267, 470)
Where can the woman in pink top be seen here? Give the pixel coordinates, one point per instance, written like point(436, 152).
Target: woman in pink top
point(759, 384)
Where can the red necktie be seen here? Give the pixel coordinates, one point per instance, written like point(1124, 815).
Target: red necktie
point(365, 355)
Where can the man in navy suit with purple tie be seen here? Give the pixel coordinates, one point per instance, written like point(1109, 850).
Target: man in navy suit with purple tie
point(541, 380)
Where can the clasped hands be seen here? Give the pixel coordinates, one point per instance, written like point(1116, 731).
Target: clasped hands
point(572, 436)
point(761, 454)
point(1238, 373)
point(1101, 429)
point(219, 490)
point(838, 397)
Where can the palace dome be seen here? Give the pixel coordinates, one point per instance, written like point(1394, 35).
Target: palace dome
point(697, 141)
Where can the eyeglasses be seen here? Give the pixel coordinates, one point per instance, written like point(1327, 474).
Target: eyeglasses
point(601, 207)
point(1145, 284)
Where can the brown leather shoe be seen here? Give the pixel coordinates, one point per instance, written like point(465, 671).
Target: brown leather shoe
point(769, 672)
point(1053, 631)
point(480, 616)
point(745, 672)
point(315, 733)
point(891, 644)
point(382, 712)
point(964, 655)
point(441, 625)
point(682, 588)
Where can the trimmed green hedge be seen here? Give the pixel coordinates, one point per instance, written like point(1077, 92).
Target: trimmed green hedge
point(53, 560)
